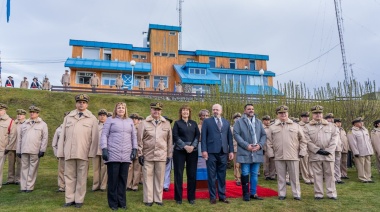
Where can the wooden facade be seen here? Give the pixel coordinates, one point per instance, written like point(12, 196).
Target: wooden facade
point(162, 54)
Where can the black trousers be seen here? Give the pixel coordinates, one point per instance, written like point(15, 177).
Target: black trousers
point(216, 169)
point(117, 178)
point(180, 157)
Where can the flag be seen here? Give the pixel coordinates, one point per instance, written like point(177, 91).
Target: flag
point(8, 10)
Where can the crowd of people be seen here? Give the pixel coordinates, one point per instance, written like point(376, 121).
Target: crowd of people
point(35, 84)
point(127, 150)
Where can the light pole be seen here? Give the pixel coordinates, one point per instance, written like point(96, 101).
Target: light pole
point(261, 72)
point(132, 63)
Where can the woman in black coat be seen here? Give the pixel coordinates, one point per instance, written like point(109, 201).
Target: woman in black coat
point(185, 138)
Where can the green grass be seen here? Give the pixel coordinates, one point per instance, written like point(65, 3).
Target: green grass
point(353, 196)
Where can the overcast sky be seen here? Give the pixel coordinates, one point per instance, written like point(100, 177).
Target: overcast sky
point(292, 32)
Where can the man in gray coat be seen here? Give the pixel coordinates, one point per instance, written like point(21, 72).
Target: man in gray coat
point(250, 135)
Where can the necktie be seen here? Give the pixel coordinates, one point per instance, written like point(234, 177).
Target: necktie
point(80, 114)
point(283, 123)
point(156, 122)
point(219, 124)
point(32, 122)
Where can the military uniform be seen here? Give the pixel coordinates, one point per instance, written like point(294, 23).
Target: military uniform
point(32, 142)
point(24, 83)
point(100, 168)
point(375, 138)
point(306, 171)
point(78, 142)
point(119, 82)
point(155, 145)
point(269, 166)
point(14, 162)
point(46, 84)
point(8, 133)
point(286, 143)
point(61, 160)
point(142, 84)
point(179, 88)
point(94, 81)
point(65, 80)
point(344, 153)
point(237, 173)
point(322, 139)
point(135, 169)
point(161, 85)
point(361, 147)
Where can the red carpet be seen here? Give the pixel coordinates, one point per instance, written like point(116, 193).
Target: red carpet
point(232, 191)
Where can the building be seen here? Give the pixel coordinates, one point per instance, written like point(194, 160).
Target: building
point(160, 58)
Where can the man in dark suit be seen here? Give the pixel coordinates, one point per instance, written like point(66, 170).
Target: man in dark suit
point(217, 145)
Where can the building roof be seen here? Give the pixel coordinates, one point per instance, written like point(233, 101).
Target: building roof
point(163, 27)
point(196, 65)
point(223, 54)
point(107, 65)
point(241, 72)
point(109, 45)
point(201, 79)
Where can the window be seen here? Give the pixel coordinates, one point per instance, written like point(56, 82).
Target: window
point(157, 54)
point(91, 53)
point(135, 56)
point(164, 54)
point(251, 65)
point(243, 79)
point(222, 78)
point(197, 71)
point(172, 33)
point(230, 78)
point(190, 60)
point(212, 62)
point(232, 63)
point(83, 77)
point(137, 80)
point(157, 79)
point(109, 79)
point(237, 79)
point(199, 89)
point(106, 54)
point(143, 57)
point(171, 55)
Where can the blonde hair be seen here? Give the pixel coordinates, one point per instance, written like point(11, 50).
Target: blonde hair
point(115, 109)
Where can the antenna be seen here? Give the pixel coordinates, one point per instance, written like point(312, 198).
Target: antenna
point(339, 22)
point(180, 22)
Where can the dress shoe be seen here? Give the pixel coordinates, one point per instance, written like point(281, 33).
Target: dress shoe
point(309, 183)
point(297, 198)
point(102, 190)
point(134, 190)
point(288, 183)
point(272, 178)
point(124, 207)
point(345, 177)
point(318, 198)
point(213, 201)
point(333, 198)
point(238, 183)
point(224, 201)
point(191, 202)
point(22, 190)
point(149, 204)
point(78, 205)
point(17, 183)
point(129, 189)
point(114, 209)
point(160, 203)
point(166, 189)
point(68, 204)
point(267, 178)
point(281, 198)
point(28, 191)
point(178, 202)
point(364, 181)
point(340, 182)
point(95, 190)
point(8, 183)
point(60, 190)
point(140, 183)
point(255, 197)
point(371, 181)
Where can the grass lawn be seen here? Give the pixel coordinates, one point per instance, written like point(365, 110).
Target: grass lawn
point(353, 196)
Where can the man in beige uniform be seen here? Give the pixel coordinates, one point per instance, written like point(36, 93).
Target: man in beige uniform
point(322, 139)
point(65, 80)
point(134, 172)
point(119, 82)
point(269, 166)
point(94, 82)
point(237, 173)
point(100, 168)
point(24, 83)
point(46, 84)
point(286, 144)
point(142, 83)
point(32, 142)
point(8, 134)
point(306, 172)
point(61, 160)
point(14, 163)
point(361, 147)
point(155, 145)
point(161, 85)
point(375, 138)
point(345, 148)
point(79, 141)
point(179, 88)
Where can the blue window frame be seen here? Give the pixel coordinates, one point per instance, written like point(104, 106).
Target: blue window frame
point(252, 65)
point(212, 62)
point(232, 63)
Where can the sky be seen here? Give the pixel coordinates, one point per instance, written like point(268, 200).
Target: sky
point(300, 36)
